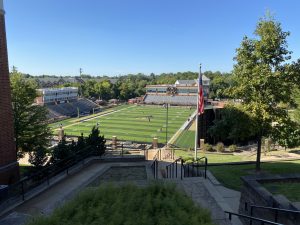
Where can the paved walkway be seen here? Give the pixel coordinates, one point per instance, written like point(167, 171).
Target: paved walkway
point(204, 194)
point(207, 193)
point(55, 196)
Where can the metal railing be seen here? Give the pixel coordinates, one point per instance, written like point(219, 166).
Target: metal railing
point(276, 210)
point(192, 169)
point(43, 176)
point(172, 169)
point(251, 218)
point(154, 167)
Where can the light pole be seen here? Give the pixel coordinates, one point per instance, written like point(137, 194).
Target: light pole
point(166, 105)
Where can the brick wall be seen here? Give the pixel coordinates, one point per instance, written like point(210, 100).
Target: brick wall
point(7, 144)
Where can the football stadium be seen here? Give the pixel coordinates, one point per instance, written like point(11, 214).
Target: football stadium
point(140, 123)
point(163, 111)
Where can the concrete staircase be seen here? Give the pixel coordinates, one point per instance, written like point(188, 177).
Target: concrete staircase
point(207, 193)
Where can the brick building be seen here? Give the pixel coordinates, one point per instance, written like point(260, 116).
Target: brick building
point(9, 168)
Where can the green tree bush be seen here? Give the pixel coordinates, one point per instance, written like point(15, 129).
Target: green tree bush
point(265, 78)
point(207, 147)
point(220, 147)
point(232, 148)
point(96, 142)
point(30, 120)
point(38, 158)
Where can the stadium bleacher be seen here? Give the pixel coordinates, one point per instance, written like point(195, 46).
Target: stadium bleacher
point(174, 100)
point(70, 109)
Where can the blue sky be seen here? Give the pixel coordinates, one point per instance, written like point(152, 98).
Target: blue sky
point(112, 37)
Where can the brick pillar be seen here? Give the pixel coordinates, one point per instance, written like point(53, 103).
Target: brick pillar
point(9, 167)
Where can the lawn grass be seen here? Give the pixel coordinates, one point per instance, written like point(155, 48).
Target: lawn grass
point(132, 123)
point(211, 157)
point(186, 139)
point(288, 189)
point(229, 175)
point(157, 204)
point(70, 121)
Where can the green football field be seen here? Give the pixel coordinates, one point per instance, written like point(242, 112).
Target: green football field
point(134, 123)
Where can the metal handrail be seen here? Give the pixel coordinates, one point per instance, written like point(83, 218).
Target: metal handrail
point(270, 208)
point(197, 165)
point(172, 171)
point(251, 218)
point(44, 175)
point(154, 167)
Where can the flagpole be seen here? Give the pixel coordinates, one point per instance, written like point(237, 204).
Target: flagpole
point(197, 114)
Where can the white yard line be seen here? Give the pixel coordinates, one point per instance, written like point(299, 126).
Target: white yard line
point(105, 114)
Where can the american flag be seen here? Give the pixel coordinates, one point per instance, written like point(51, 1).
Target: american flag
point(200, 96)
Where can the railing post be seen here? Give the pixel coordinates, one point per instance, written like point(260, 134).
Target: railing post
point(156, 169)
point(276, 216)
point(205, 168)
point(251, 213)
point(172, 170)
point(167, 168)
point(22, 189)
point(181, 169)
point(176, 168)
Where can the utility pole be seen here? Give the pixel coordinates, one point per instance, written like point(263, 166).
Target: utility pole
point(80, 71)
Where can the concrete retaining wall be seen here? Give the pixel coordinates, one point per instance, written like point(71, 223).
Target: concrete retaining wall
point(254, 193)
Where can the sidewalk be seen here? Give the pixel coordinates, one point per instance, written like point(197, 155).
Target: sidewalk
point(55, 196)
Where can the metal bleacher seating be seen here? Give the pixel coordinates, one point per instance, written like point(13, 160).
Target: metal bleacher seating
point(71, 108)
point(174, 100)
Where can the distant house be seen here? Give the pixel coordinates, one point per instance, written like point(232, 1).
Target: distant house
point(113, 101)
point(52, 81)
point(136, 100)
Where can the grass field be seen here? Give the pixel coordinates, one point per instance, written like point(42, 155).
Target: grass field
point(230, 175)
point(212, 158)
point(289, 190)
point(129, 205)
point(132, 123)
point(186, 139)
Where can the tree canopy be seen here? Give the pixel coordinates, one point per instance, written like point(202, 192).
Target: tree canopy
point(31, 130)
point(265, 78)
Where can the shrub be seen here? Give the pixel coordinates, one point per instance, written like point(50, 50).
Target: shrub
point(187, 159)
point(232, 148)
point(207, 147)
point(220, 147)
point(154, 204)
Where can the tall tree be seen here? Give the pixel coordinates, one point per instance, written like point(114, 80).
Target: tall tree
point(96, 142)
point(264, 78)
point(31, 129)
